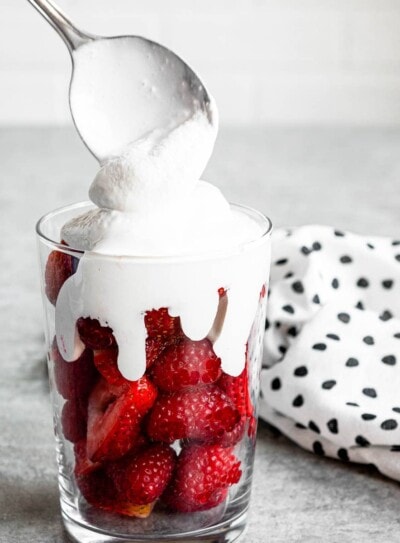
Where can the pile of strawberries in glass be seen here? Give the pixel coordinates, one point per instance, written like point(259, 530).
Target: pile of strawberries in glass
point(167, 438)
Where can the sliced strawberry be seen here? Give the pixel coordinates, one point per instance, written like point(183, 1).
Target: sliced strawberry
point(97, 489)
point(94, 335)
point(202, 414)
point(74, 420)
point(159, 323)
point(59, 267)
point(106, 361)
point(202, 477)
point(114, 417)
point(142, 478)
point(154, 347)
point(83, 466)
point(186, 364)
point(74, 379)
point(237, 388)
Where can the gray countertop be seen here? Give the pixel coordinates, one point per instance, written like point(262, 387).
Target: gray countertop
point(348, 177)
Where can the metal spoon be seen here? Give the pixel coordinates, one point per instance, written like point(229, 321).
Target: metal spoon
point(124, 87)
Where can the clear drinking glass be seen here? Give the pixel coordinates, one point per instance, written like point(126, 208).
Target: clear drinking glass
point(139, 475)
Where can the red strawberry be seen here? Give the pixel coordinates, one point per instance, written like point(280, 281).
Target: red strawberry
point(105, 361)
point(73, 379)
point(115, 414)
point(114, 417)
point(160, 324)
point(142, 478)
point(83, 466)
point(202, 414)
point(74, 420)
point(237, 388)
point(202, 477)
point(229, 439)
point(186, 364)
point(98, 489)
point(59, 267)
point(94, 335)
point(154, 347)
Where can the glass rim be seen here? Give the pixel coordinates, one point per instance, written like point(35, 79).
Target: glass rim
point(57, 245)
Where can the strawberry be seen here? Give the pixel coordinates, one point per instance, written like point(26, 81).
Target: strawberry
point(83, 466)
point(99, 491)
point(160, 324)
point(73, 379)
point(142, 478)
point(237, 388)
point(202, 414)
point(94, 335)
point(202, 477)
point(74, 420)
point(114, 417)
point(154, 347)
point(105, 361)
point(186, 364)
point(59, 267)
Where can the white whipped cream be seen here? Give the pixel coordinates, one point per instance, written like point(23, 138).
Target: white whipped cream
point(159, 237)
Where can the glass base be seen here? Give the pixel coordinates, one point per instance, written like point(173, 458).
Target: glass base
point(225, 532)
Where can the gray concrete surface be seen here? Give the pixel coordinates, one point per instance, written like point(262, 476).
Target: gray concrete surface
point(349, 177)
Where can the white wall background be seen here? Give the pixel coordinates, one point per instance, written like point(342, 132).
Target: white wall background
point(273, 61)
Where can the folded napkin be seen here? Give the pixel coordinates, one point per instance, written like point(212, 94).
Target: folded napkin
point(331, 371)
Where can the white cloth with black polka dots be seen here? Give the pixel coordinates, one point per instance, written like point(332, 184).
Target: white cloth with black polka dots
point(331, 370)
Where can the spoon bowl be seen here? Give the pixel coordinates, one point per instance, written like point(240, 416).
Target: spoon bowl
point(125, 87)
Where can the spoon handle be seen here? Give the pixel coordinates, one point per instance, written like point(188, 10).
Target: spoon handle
point(72, 36)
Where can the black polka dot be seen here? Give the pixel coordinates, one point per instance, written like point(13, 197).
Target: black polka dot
point(397, 335)
point(305, 250)
point(362, 441)
point(395, 242)
point(333, 426)
point(298, 401)
point(368, 416)
point(360, 305)
point(342, 454)
point(292, 331)
point(339, 233)
point(387, 283)
point(389, 359)
point(267, 324)
point(396, 409)
point(288, 275)
point(276, 383)
point(370, 246)
point(318, 448)
point(297, 286)
point(395, 448)
point(281, 262)
point(277, 324)
point(301, 426)
point(344, 317)
point(312, 426)
point(327, 385)
point(397, 257)
point(335, 283)
point(352, 404)
point(301, 371)
point(389, 424)
point(316, 299)
point(369, 340)
point(363, 283)
point(346, 259)
point(316, 246)
point(352, 362)
point(282, 349)
point(386, 315)
point(288, 308)
point(319, 346)
point(370, 392)
point(333, 336)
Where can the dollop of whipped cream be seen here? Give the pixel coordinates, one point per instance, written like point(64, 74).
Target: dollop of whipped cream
point(150, 201)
